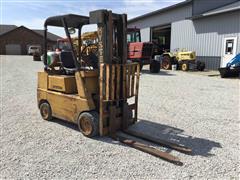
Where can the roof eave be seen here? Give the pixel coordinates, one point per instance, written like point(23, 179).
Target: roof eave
point(211, 14)
point(160, 11)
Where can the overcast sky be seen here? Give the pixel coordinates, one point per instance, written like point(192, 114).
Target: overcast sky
point(32, 13)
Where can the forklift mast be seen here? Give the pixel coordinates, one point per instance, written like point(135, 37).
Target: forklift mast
point(112, 36)
point(118, 80)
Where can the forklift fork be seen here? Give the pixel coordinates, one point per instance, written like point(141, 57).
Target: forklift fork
point(148, 149)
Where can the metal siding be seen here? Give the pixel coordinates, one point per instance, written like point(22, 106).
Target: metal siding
point(179, 13)
point(238, 42)
point(145, 34)
point(212, 63)
point(205, 36)
point(201, 6)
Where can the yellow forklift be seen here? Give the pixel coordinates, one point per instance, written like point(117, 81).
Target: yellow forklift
point(93, 92)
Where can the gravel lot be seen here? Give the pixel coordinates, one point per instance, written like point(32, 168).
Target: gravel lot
point(198, 111)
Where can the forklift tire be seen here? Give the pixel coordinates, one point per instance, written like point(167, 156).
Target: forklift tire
point(184, 66)
point(46, 111)
point(88, 123)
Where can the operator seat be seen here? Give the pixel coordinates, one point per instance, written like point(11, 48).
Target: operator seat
point(67, 60)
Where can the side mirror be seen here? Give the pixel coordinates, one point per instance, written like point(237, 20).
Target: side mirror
point(71, 30)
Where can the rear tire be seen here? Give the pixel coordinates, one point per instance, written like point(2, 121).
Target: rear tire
point(201, 66)
point(88, 123)
point(46, 111)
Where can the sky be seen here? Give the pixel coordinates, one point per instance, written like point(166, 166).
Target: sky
point(32, 13)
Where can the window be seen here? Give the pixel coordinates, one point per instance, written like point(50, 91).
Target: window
point(133, 37)
point(229, 46)
point(129, 38)
point(137, 36)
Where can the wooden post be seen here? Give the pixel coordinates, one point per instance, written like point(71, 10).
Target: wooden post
point(113, 83)
point(101, 98)
point(129, 72)
point(118, 82)
point(107, 81)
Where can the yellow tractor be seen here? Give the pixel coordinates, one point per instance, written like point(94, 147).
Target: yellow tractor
point(94, 92)
point(184, 60)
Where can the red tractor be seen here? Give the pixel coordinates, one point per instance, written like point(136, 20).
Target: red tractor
point(141, 52)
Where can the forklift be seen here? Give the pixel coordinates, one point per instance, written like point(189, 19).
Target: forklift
point(94, 92)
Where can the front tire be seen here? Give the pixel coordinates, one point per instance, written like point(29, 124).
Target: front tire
point(46, 111)
point(185, 66)
point(88, 123)
point(154, 66)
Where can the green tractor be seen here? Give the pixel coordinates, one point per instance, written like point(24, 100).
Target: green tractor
point(184, 60)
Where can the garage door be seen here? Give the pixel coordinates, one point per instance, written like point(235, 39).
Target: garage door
point(13, 49)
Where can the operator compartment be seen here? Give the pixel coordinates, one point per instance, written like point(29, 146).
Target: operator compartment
point(62, 83)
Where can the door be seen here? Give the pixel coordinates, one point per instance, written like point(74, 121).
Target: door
point(13, 49)
point(229, 50)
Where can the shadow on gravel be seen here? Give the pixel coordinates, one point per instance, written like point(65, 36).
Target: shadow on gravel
point(65, 123)
point(161, 73)
point(199, 146)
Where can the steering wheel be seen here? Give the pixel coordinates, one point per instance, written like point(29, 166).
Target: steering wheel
point(88, 50)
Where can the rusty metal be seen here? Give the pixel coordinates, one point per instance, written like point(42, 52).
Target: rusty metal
point(148, 149)
point(161, 142)
point(85, 126)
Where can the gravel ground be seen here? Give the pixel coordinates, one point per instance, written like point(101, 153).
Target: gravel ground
point(198, 111)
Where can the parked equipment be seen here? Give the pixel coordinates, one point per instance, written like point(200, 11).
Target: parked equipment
point(184, 59)
point(34, 49)
point(93, 92)
point(232, 68)
point(88, 43)
point(138, 51)
point(36, 56)
point(141, 52)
